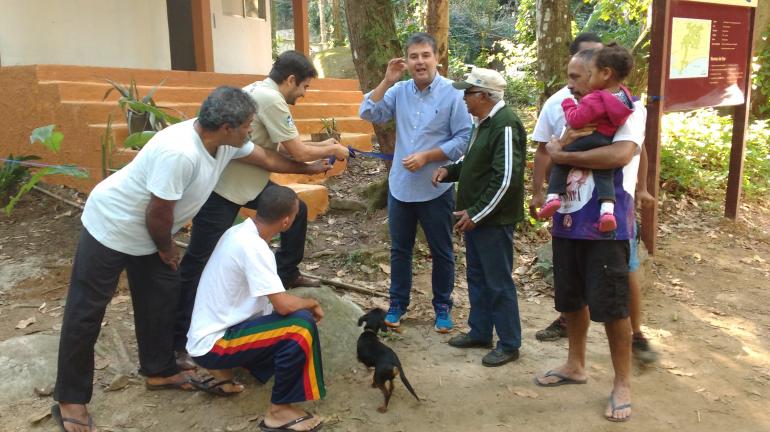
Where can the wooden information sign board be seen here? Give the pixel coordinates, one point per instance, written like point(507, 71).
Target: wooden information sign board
point(700, 56)
point(708, 59)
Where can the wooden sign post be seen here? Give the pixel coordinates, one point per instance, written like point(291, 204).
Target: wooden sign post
point(700, 56)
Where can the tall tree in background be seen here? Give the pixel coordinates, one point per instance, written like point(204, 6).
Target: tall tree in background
point(337, 36)
point(438, 26)
point(322, 22)
point(373, 42)
point(553, 32)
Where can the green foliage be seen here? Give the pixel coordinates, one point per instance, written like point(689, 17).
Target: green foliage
point(137, 140)
point(475, 26)
point(525, 22)
point(409, 17)
point(523, 90)
point(13, 173)
point(47, 137)
point(695, 155)
point(761, 78)
point(620, 20)
point(141, 112)
point(329, 126)
point(51, 140)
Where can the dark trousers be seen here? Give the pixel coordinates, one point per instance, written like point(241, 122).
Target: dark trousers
point(603, 178)
point(285, 346)
point(491, 291)
point(154, 293)
point(214, 218)
point(435, 218)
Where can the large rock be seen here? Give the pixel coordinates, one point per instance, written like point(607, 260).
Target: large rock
point(339, 330)
point(26, 362)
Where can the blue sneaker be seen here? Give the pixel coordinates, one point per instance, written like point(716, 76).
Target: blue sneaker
point(393, 317)
point(443, 319)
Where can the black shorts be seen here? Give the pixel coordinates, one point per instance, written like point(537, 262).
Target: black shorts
point(593, 273)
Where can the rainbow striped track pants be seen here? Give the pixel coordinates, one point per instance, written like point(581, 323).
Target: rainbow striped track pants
point(286, 346)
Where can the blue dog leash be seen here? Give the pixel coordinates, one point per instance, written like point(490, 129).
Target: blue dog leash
point(355, 152)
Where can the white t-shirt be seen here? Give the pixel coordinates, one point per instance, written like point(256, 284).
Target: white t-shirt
point(551, 120)
point(239, 276)
point(173, 166)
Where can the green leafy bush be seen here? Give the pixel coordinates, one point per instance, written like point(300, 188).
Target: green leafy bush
point(695, 155)
point(18, 174)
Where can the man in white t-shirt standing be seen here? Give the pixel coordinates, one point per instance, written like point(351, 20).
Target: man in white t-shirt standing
point(241, 184)
point(128, 223)
point(244, 318)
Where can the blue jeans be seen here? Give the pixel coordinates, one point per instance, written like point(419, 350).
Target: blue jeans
point(492, 293)
point(435, 218)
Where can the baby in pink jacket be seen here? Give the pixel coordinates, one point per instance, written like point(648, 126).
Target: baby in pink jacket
point(607, 106)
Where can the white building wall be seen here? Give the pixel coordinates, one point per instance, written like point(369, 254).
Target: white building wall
point(241, 45)
point(115, 33)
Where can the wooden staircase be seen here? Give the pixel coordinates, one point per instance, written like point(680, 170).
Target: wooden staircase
point(71, 98)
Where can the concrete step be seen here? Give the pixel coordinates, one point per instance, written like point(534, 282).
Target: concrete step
point(344, 124)
point(173, 78)
point(94, 91)
point(359, 141)
point(316, 197)
point(97, 111)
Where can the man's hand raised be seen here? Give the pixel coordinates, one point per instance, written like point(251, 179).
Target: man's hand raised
point(395, 70)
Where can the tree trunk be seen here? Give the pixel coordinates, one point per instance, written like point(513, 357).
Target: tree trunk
point(553, 20)
point(438, 27)
point(758, 97)
point(339, 39)
point(373, 42)
point(322, 22)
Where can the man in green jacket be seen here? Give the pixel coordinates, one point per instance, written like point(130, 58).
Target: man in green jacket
point(490, 199)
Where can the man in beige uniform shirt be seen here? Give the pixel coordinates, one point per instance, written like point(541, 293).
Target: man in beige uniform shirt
point(240, 185)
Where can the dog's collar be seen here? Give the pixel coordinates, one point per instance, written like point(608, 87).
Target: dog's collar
point(370, 331)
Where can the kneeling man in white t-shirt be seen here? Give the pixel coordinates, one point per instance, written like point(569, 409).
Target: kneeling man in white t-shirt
point(244, 318)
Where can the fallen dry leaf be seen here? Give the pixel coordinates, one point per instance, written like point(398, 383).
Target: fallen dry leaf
point(385, 268)
point(523, 392)
point(39, 416)
point(26, 323)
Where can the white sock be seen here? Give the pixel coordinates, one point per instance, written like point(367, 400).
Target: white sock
point(551, 197)
point(607, 207)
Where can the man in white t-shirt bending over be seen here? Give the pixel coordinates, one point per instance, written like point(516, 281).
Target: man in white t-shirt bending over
point(244, 318)
point(128, 223)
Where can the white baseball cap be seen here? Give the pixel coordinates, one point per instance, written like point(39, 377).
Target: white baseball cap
point(484, 78)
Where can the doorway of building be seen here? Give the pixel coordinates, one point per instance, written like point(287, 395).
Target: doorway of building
point(180, 34)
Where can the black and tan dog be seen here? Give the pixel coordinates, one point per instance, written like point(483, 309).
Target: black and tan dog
point(373, 353)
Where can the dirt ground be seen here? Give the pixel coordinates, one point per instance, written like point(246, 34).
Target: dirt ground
point(706, 296)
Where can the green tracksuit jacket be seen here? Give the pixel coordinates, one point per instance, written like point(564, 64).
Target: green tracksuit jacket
point(491, 175)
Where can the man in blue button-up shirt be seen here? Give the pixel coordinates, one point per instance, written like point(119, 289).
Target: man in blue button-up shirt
point(432, 126)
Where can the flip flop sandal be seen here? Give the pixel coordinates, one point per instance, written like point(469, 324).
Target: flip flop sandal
point(563, 380)
point(287, 426)
point(56, 415)
point(174, 386)
point(209, 386)
point(615, 408)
